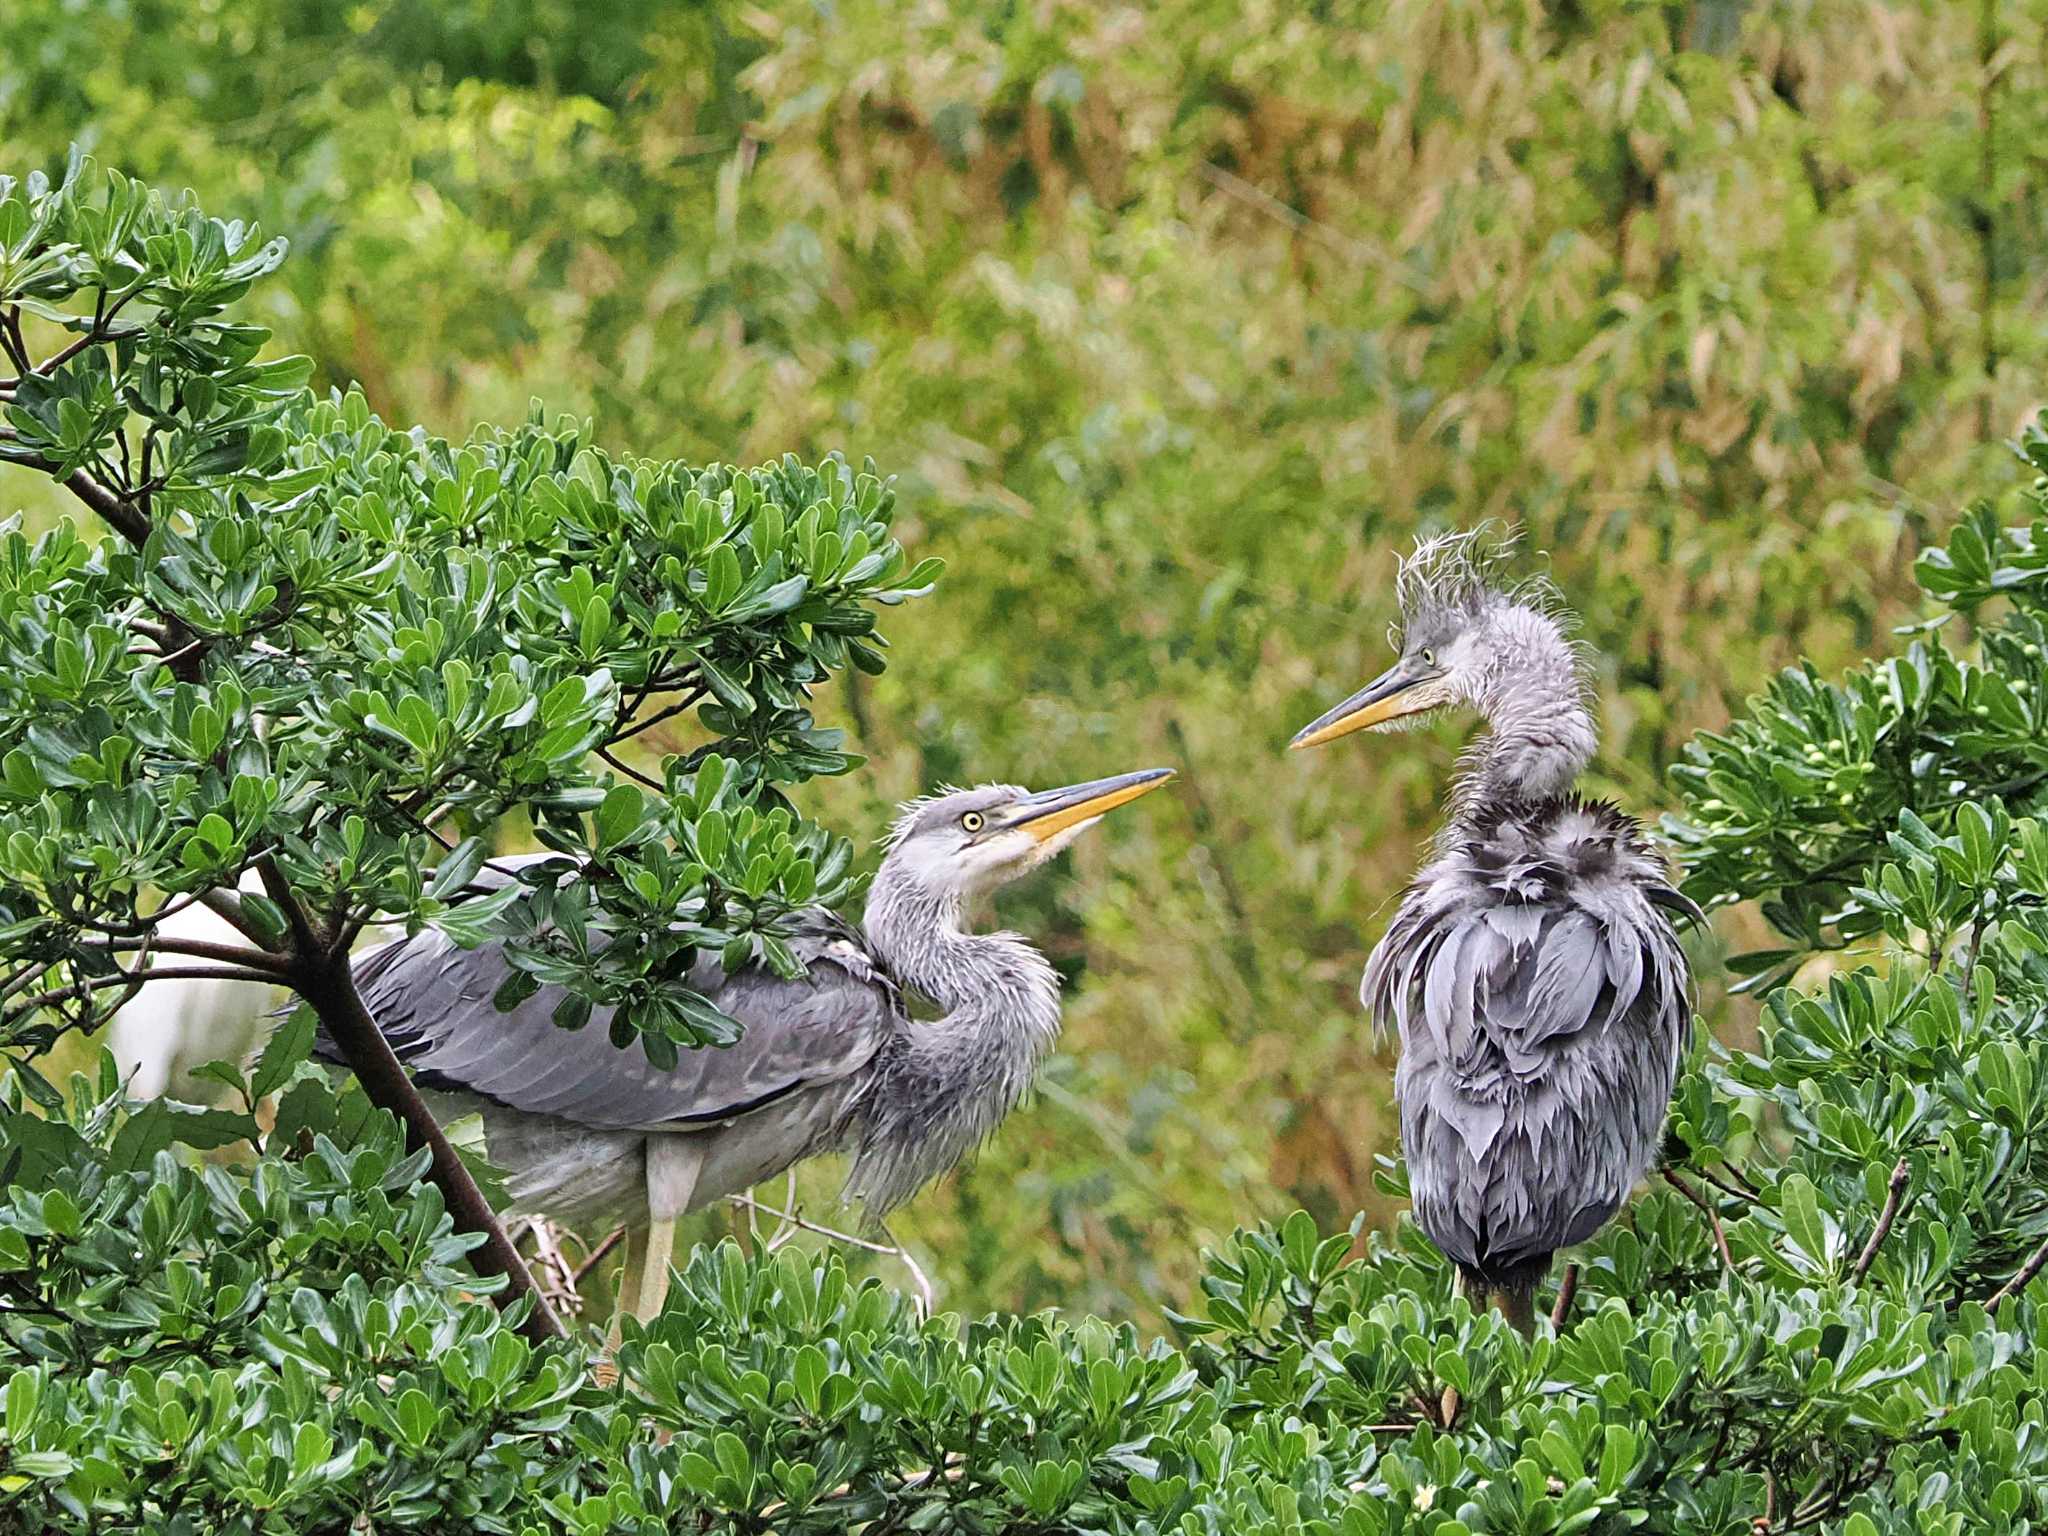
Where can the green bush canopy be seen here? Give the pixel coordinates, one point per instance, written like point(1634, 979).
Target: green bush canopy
point(334, 653)
point(1170, 323)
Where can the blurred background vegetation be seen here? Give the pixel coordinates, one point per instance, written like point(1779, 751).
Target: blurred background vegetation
point(1174, 322)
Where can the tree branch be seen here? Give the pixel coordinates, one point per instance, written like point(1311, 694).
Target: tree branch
point(279, 890)
point(326, 983)
point(596, 1255)
point(11, 341)
point(1713, 1216)
point(1902, 1174)
point(2020, 1281)
point(688, 700)
point(892, 1249)
point(1567, 1292)
point(112, 509)
point(633, 773)
point(276, 966)
point(137, 979)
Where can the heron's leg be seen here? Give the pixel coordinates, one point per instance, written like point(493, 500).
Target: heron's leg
point(673, 1161)
point(1518, 1307)
point(627, 1297)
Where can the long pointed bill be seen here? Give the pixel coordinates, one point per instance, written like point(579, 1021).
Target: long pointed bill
point(1395, 692)
point(1051, 812)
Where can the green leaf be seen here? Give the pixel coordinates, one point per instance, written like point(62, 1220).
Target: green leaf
point(162, 1124)
point(1801, 1208)
point(289, 1044)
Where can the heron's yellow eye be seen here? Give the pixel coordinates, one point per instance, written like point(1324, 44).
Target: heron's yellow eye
point(1428, 657)
point(973, 821)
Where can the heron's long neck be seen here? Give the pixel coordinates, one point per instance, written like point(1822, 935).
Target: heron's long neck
point(949, 1081)
point(1541, 733)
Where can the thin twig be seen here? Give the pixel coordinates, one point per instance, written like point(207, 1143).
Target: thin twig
point(1902, 1174)
point(1723, 1185)
point(1713, 1216)
point(892, 1248)
point(79, 989)
point(918, 1277)
point(1567, 1292)
point(672, 710)
point(633, 773)
point(202, 949)
point(596, 1255)
point(565, 1295)
point(2020, 1281)
point(787, 1230)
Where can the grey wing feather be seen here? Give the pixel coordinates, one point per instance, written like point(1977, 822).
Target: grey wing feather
point(1542, 1002)
point(433, 1003)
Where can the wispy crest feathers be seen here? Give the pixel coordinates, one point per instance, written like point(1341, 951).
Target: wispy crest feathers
point(1466, 572)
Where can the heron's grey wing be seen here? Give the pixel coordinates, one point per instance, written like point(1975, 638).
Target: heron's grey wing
point(433, 1003)
point(1543, 1002)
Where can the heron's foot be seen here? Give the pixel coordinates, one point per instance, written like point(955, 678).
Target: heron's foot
point(604, 1370)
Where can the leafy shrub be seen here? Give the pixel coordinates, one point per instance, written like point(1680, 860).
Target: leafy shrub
point(336, 655)
point(1822, 1316)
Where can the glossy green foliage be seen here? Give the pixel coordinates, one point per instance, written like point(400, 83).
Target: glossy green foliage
point(1174, 321)
point(344, 653)
point(289, 1343)
point(1870, 803)
point(1823, 1314)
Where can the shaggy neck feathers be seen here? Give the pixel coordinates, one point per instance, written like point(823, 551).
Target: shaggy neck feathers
point(1540, 733)
point(943, 1085)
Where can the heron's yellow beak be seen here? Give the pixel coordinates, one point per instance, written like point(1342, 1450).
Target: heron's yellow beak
point(1400, 690)
point(1044, 816)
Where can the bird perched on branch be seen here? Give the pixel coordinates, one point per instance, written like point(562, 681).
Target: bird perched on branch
point(1532, 970)
point(829, 1061)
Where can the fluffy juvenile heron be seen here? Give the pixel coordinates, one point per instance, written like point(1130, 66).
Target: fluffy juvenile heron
point(1532, 969)
point(829, 1061)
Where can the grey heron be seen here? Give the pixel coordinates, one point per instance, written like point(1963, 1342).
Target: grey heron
point(833, 1060)
point(1532, 968)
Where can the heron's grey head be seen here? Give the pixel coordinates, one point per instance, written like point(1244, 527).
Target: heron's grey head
point(1466, 639)
point(966, 841)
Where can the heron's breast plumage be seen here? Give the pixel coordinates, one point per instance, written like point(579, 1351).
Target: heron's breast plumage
point(1540, 996)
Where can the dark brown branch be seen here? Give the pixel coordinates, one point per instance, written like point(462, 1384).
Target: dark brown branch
point(57, 360)
point(136, 979)
point(688, 700)
point(1724, 1186)
point(275, 966)
point(11, 341)
point(304, 940)
point(1902, 1174)
point(1713, 1216)
point(1567, 1293)
point(2020, 1281)
point(325, 982)
point(633, 773)
point(227, 906)
point(112, 509)
point(597, 1254)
